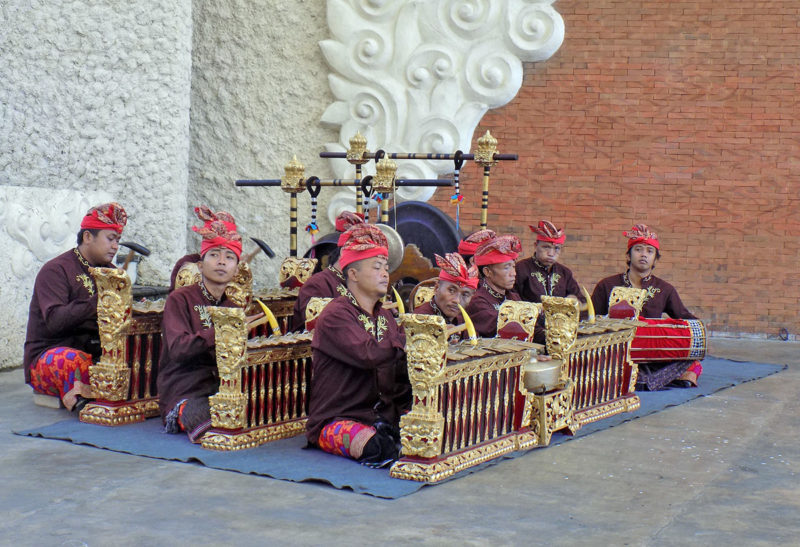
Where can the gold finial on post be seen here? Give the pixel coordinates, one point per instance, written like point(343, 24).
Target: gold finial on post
point(294, 180)
point(383, 182)
point(358, 149)
point(386, 171)
point(356, 156)
point(487, 148)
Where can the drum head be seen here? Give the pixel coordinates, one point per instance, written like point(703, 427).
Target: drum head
point(431, 230)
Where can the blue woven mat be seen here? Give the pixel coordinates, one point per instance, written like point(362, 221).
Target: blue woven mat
point(287, 460)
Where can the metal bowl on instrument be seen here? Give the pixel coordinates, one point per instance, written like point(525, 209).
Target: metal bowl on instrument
point(542, 376)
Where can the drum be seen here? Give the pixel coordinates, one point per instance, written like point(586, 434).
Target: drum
point(664, 340)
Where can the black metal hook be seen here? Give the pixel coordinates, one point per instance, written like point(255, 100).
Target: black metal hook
point(458, 159)
point(313, 186)
point(366, 185)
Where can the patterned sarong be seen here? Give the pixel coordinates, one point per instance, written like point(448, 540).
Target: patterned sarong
point(63, 372)
point(345, 438)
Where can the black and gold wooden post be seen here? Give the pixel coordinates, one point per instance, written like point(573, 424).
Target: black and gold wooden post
point(356, 155)
point(383, 181)
point(293, 182)
point(487, 148)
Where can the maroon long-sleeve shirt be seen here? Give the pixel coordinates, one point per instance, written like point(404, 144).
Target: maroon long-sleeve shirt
point(359, 367)
point(63, 310)
point(661, 297)
point(323, 284)
point(188, 364)
point(484, 307)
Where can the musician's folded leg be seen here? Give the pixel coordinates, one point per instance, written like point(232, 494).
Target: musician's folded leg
point(190, 415)
point(656, 376)
point(690, 377)
point(64, 372)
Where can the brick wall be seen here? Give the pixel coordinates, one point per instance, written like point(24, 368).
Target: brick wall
point(682, 115)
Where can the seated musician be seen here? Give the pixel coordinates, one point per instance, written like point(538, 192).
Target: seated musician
point(62, 338)
point(662, 298)
point(468, 245)
point(495, 261)
point(187, 369)
point(456, 285)
point(359, 385)
point(542, 274)
point(325, 283)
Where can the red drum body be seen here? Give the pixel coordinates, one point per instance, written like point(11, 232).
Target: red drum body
point(669, 340)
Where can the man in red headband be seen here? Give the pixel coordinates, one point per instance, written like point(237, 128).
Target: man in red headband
point(187, 368)
point(542, 274)
point(325, 283)
point(456, 286)
point(495, 261)
point(468, 245)
point(62, 338)
point(662, 298)
point(359, 385)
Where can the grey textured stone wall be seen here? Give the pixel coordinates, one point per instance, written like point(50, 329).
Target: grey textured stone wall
point(94, 103)
point(259, 88)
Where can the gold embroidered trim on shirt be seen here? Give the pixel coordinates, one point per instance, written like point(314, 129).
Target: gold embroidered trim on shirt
point(80, 258)
point(87, 282)
point(651, 291)
point(492, 291)
point(337, 273)
point(205, 317)
point(369, 326)
point(345, 292)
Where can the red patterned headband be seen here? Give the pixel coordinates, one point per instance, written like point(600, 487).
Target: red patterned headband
point(498, 250)
point(547, 231)
point(470, 244)
point(641, 233)
point(219, 230)
point(455, 270)
point(362, 241)
point(108, 216)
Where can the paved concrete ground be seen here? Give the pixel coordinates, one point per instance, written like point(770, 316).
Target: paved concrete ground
point(723, 469)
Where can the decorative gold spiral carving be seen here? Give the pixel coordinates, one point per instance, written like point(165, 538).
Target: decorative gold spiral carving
point(523, 313)
point(633, 296)
point(240, 289)
point(426, 352)
point(422, 295)
point(301, 268)
point(189, 274)
point(294, 180)
point(561, 317)
point(230, 338)
point(314, 307)
point(110, 376)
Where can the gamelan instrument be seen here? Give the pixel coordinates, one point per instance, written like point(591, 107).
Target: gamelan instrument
point(664, 340)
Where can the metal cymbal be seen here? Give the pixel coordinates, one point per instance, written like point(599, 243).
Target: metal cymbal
point(396, 246)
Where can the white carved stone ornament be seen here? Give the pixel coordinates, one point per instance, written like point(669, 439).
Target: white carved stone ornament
point(418, 75)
